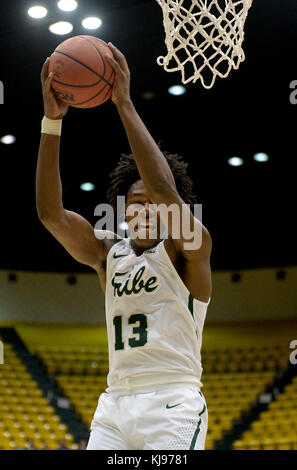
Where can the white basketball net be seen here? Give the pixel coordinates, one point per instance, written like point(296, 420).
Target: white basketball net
point(203, 37)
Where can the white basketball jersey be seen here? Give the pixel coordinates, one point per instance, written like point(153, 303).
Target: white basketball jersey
point(154, 324)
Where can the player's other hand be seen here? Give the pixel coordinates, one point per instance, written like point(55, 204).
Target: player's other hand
point(53, 107)
point(121, 87)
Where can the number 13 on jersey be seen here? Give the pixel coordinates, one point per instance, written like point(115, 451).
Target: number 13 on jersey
point(140, 331)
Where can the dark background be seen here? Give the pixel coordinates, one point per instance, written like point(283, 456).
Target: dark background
point(249, 210)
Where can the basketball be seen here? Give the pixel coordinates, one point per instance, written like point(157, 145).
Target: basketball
point(81, 76)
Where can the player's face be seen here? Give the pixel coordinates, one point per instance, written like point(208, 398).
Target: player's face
point(143, 220)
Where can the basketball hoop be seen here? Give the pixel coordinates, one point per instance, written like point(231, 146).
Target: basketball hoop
point(203, 38)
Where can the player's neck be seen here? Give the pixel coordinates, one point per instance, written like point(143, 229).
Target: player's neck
point(139, 249)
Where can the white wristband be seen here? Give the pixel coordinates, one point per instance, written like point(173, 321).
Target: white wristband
point(51, 126)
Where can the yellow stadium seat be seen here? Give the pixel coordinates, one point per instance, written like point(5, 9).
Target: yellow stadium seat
point(269, 443)
point(3, 407)
point(20, 443)
point(11, 445)
point(217, 433)
point(31, 433)
point(52, 444)
point(24, 420)
point(209, 444)
point(54, 418)
point(239, 445)
point(78, 369)
point(232, 367)
point(283, 446)
point(52, 368)
point(65, 368)
point(258, 365)
point(271, 364)
point(74, 446)
point(283, 363)
point(219, 366)
point(253, 444)
point(271, 427)
point(47, 409)
point(16, 434)
point(227, 423)
point(27, 401)
point(245, 366)
point(92, 370)
point(4, 443)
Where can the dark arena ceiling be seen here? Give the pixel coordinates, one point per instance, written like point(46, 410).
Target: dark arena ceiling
point(249, 210)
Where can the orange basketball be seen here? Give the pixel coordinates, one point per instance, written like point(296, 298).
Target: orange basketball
point(82, 77)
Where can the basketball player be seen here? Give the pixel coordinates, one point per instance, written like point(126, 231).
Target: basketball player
point(157, 292)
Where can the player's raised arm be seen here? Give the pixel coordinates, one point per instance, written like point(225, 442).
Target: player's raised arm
point(74, 232)
point(154, 169)
point(152, 165)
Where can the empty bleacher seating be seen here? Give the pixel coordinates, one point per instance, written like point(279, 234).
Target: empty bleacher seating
point(24, 411)
point(80, 373)
point(276, 428)
point(233, 380)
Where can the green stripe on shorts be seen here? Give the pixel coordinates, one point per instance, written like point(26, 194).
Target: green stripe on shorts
point(196, 433)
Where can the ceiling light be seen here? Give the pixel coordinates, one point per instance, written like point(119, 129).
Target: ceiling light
point(87, 186)
point(177, 90)
point(67, 5)
point(235, 161)
point(37, 12)
point(92, 22)
point(8, 139)
point(61, 27)
point(261, 157)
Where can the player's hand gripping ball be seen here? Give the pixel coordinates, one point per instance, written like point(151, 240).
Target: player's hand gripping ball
point(82, 77)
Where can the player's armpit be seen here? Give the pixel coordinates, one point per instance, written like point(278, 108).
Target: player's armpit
point(77, 236)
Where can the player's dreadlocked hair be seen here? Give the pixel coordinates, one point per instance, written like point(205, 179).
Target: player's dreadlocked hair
point(126, 173)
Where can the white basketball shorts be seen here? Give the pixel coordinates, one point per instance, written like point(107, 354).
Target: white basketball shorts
point(171, 419)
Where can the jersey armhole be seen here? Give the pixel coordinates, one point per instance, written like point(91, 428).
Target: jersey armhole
point(162, 248)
